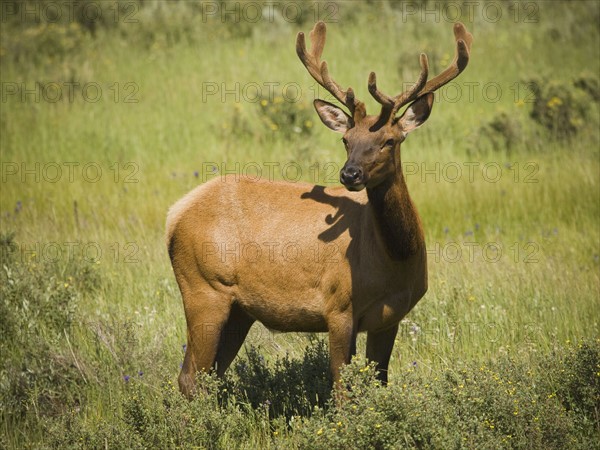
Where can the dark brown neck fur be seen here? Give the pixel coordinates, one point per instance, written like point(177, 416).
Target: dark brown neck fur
point(396, 218)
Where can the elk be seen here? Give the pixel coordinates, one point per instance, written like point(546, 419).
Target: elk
point(308, 258)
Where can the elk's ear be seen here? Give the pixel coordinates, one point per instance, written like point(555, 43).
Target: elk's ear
point(416, 114)
point(332, 116)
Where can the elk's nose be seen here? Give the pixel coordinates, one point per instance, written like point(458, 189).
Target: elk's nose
point(350, 175)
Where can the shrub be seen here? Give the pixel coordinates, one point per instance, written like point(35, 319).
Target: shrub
point(563, 108)
point(551, 403)
point(38, 302)
point(289, 119)
point(578, 385)
point(469, 406)
point(502, 133)
point(289, 388)
point(160, 417)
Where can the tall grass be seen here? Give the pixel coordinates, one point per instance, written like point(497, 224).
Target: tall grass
point(513, 237)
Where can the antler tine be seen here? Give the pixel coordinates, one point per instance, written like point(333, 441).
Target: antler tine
point(391, 105)
point(318, 69)
point(310, 61)
point(381, 98)
point(412, 93)
point(336, 90)
point(318, 36)
point(461, 59)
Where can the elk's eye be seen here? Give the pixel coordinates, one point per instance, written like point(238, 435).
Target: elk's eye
point(345, 141)
point(389, 143)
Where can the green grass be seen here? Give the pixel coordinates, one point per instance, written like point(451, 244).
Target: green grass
point(123, 311)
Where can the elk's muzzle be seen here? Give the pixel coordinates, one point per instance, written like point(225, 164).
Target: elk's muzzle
point(352, 177)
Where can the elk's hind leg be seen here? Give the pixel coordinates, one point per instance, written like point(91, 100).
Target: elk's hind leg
point(232, 337)
point(206, 312)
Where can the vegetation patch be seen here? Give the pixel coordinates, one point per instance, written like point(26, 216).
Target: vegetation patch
point(106, 122)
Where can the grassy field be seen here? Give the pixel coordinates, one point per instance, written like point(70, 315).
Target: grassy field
point(105, 123)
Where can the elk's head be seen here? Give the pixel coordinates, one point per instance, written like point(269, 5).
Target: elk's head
point(373, 142)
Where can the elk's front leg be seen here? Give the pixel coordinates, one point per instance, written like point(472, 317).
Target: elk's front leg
point(342, 344)
point(379, 349)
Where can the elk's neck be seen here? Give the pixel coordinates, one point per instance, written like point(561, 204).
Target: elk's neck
point(396, 219)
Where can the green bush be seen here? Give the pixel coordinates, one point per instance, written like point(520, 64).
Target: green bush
point(38, 302)
point(578, 385)
point(563, 108)
point(501, 134)
point(473, 406)
point(289, 119)
point(289, 388)
point(160, 417)
point(547, 404)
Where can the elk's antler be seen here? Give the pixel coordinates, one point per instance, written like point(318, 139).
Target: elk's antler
point(318, 70)
point(391, 105)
